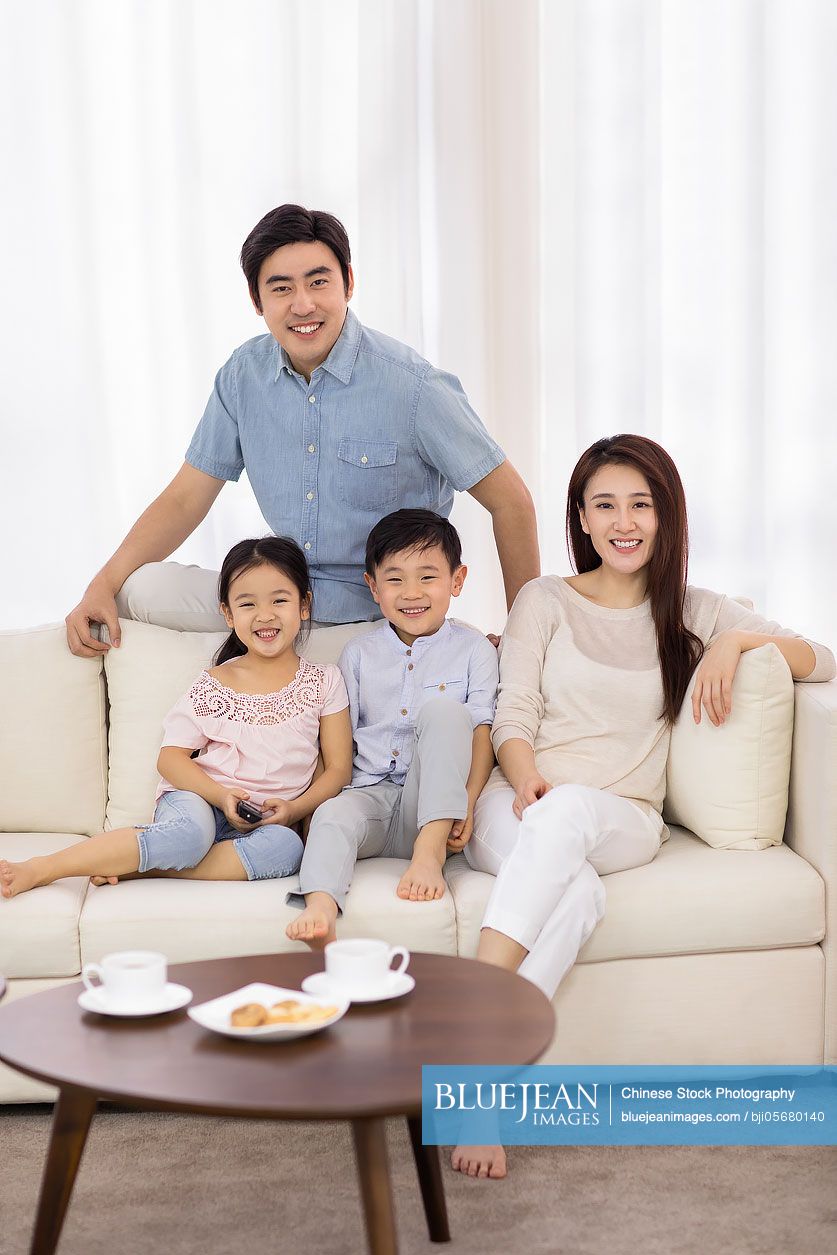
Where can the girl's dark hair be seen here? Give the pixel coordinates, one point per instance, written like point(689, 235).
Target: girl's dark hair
point(679, 649)
point(279, 551)
point(291, 224)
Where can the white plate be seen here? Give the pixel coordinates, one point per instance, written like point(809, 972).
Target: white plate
point(173, 998)
point(215, 1015)
point(396, 986)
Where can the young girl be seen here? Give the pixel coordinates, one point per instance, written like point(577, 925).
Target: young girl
point(593, 671)
point(257, 720)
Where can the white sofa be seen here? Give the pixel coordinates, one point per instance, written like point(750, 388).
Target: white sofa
point(708, 955)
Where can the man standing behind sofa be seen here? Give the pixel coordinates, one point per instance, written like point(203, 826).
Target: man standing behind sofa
point(336, 425)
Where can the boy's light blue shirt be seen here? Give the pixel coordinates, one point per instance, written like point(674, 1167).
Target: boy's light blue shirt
point(389, 682)
point(377, 429)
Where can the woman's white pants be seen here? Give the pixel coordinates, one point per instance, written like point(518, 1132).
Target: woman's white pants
point(548, 896)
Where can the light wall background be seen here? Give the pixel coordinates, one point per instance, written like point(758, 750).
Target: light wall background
point(603, 215)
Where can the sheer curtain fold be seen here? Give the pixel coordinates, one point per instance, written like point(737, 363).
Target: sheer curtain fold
point(602, 216)
point(698, 140)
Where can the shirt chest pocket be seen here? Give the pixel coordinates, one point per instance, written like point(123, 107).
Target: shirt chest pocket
point(448, 685)
point(367, 473)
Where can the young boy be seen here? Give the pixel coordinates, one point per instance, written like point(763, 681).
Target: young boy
point(421, 695)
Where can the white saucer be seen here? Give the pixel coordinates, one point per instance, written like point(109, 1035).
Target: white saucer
point(396, 986)
point(173, 998)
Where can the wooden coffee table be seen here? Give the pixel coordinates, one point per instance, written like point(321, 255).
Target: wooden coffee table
point(363, 1069)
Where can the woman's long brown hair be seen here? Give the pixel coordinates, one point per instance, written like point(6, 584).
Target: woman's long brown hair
point(679, 649)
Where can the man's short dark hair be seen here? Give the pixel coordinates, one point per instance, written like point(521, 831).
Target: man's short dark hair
point(291, 224)
point(406, 530)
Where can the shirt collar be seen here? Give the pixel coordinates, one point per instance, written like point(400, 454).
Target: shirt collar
point(341, 360)
point(421, 644)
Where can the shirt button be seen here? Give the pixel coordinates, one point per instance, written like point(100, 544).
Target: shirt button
point(364, 459)
point(441, 688)
point(409, 653)
point(409, 666)
point(311, 400)
point(310, 496)
point(404, 710)
point(395, 753)
point(312, 448)
point(307, 544)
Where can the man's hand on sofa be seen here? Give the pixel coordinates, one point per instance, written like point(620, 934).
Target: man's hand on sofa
point(96, 606)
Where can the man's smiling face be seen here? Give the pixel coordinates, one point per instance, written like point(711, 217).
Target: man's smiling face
point(304, 301)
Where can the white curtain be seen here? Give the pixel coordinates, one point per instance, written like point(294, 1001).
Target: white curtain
point(689, 198)
point(603, 216)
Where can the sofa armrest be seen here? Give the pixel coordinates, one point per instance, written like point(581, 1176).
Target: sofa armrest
point(811, 828)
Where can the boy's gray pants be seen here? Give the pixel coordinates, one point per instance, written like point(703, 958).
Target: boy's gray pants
point(385, 818)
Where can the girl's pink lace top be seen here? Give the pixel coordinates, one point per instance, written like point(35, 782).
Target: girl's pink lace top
point(266, 743)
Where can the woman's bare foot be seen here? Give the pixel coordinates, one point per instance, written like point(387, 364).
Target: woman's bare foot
point(479, 1161)
point(317, 924)
point(423, 880)
point(17, 878)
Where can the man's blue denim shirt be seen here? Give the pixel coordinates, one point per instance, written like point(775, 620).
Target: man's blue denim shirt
point(377, 429)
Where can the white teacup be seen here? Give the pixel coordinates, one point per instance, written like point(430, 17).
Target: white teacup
point(363, 966)
point(129, 979)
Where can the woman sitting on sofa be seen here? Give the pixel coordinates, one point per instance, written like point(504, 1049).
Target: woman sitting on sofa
point(593, 671)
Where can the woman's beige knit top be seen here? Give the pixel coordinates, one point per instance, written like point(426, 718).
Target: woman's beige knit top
point(581, 684)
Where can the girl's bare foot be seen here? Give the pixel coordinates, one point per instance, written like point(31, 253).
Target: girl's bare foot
point(16, 878)
point(479, 1161)
point(422, 881)
point(315, 926)
point(104, 880)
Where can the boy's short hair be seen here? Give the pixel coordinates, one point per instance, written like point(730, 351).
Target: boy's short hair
point(412, 529)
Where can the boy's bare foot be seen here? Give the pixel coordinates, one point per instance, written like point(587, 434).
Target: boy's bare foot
point(479, 1161)
point(16, 878)
point(315, 926)
point(423, 880)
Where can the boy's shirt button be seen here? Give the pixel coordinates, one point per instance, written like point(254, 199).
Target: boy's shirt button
point(441, 688)
point(409, 653)
point(409, 666)
point(395, 753)
point(404, 710)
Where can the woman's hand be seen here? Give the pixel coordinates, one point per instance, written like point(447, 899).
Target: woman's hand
point(460, 833)
point(230, 801)
point(530, 789)
point(713, 681)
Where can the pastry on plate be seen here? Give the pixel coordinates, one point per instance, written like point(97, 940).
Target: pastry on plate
point(251, 1015)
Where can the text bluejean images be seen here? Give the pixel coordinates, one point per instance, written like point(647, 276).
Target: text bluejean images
point(630, 1106)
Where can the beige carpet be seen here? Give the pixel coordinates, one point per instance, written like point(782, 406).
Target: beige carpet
point(159, 1184)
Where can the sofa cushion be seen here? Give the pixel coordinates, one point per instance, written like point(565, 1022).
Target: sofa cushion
point(52, 740)
point(190, 920)
point(690, 900)
point(152, 668)
point(729, 785)
point(39, 929)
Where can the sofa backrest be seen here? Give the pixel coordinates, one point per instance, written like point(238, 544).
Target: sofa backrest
point(53, 746)
point(729, 785)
